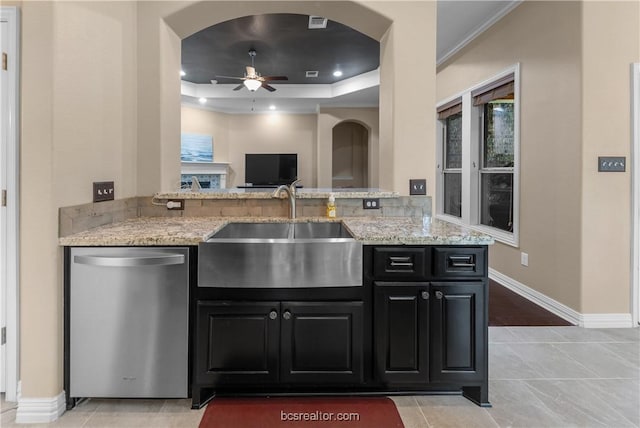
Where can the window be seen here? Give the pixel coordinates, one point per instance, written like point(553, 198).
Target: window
point(451, 115)
point(478, 180)
point(496, 172)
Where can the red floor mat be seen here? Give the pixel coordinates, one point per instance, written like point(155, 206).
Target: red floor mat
point(301, 412)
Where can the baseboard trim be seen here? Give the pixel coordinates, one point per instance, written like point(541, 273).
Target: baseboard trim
point(574, 317)
point(607, 321)
point(40, 410)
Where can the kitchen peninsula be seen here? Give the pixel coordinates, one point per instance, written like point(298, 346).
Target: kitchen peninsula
point(414, 322)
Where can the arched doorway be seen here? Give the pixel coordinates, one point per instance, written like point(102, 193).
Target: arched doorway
point(160, 100)
point(350, 155)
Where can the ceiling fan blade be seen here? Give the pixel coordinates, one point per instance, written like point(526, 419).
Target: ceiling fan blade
point(268, 88)
point(275, 78)
point(251, 71)
point(240, 86)
point(230, 77)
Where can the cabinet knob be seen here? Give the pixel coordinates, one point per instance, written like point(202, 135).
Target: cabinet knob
point(439, 295)
point(286, 315)
point(425, 295)
point(273, 315)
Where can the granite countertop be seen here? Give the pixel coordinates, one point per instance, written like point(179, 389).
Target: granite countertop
point(261, 193)
point(193, 230)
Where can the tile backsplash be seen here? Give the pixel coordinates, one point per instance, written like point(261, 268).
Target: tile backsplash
point(79, 218)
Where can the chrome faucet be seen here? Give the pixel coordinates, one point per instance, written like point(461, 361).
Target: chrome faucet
point(291, 192)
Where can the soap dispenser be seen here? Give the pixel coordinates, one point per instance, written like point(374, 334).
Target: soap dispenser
point(331, 206)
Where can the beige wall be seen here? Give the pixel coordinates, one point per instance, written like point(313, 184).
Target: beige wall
point(574, 222)
point(273, 133)
point(610, 43)
point(234, 135)
point(327, 120)
point(206, 122)
point(78, 125)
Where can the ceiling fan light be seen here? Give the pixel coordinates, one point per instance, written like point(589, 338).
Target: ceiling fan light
point(252, 84)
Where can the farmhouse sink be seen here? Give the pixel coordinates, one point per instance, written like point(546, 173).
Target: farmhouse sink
point(253, 232)
point(280, 255)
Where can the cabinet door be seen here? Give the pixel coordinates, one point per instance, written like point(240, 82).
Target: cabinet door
point(321, 342)
point(458, 335)
point(401, 332)
point(237, 343)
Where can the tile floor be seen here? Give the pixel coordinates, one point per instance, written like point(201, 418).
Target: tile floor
point(539, 377)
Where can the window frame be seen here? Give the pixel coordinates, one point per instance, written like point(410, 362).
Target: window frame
point(472, 144)
point(445, 169)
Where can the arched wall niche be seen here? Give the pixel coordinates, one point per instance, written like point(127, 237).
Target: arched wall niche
point(328, 119)
point(350, 155)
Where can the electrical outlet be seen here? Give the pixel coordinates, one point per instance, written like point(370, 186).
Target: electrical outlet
point(371, 204)
point(524, 259)
point(103, 191)
point(418, 186)
point(175, 204)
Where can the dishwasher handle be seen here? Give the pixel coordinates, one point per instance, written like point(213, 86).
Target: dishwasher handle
point(158, 259)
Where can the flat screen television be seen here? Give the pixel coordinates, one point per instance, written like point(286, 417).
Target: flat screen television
point(270, 169)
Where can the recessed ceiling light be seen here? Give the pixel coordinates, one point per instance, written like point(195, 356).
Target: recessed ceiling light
point(337, 73)
point(272, 107)
point(202, 100)
point(182, 73)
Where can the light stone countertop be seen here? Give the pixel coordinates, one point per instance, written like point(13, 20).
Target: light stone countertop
point(150, 231)
point(262, 193)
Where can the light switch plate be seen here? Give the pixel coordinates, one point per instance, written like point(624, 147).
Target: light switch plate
point(611, 163)
point(103, 191)
point(418, 186)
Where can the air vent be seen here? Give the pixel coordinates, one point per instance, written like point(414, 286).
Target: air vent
point(316, 22)
point(312, 73)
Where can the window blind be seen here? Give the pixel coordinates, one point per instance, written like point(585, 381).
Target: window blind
point(498, 89)
point(450, 108)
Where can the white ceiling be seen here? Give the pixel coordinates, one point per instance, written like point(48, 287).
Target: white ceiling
point(459, 22)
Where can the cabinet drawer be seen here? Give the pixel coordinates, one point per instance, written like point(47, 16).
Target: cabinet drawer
point(459, 262)
point(399, 263)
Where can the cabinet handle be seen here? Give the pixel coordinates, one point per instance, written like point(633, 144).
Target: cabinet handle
point(396, 261)
point(150, 259)
point(462, 261)
point(273, 315)
point(425, 295)
point(439, 295)
point(286, 315)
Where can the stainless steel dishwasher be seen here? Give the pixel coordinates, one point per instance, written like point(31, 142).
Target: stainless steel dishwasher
point(128, 322)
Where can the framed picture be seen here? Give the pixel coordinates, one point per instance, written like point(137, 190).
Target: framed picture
point(196, 148)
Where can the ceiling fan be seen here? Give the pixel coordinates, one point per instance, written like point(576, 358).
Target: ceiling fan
point(253, 80)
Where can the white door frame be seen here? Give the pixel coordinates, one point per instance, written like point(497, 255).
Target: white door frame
point(635, 189)
point(11, 15)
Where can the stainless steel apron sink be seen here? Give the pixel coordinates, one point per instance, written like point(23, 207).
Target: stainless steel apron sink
point(280, 255)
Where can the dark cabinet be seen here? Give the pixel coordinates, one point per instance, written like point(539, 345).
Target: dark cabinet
point(418, 324)
point(401, 326)
point(237, 342)
point(458, 329)
point(321, 342)
point(430, 318)
point(262, 343)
